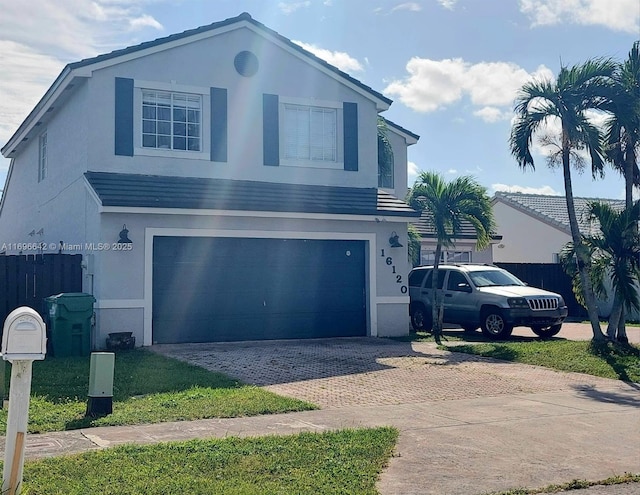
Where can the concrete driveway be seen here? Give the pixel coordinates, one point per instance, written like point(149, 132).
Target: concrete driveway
point(468, 425)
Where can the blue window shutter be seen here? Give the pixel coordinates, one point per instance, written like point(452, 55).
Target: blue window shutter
point(350, 125)
point(218, 124)
point(124, 117)
point(270, 130)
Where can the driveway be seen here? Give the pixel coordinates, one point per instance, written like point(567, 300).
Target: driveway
point(335, 373)
point(468, 425)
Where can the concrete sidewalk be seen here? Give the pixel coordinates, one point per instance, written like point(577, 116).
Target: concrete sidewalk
point(467, 425)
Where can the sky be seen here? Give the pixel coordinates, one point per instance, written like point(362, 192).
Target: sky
point(452, 67)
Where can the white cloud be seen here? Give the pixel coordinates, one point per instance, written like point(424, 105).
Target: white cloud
point(341, 60)
point(434, 84)
point(452, 171)
point(74, 29)
point(617, 15)
point(26, 75)
point(448, 4)
point(546, 190)
point(412, 173)
point(410, 6)
point(288, 8)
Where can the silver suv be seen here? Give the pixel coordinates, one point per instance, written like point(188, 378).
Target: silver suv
point(485, 296)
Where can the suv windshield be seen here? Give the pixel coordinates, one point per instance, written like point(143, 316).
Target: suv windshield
point(491, 278)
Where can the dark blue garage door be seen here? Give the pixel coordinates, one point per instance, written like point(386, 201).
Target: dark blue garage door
point(229, 289)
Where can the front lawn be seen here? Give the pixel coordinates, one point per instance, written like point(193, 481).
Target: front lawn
point(347, 461)
point(148, 388)
point(607, 360)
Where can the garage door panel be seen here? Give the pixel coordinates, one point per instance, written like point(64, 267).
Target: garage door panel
point(224, 289)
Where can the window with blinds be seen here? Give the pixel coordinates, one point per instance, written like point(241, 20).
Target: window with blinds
point(310, 133)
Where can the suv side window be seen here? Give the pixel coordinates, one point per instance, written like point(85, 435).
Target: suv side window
point(416, 278)
point(455, 279)
point(441, 274)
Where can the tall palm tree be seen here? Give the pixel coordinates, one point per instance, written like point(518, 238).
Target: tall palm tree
point(575, 91)
point(614, 252)
point(622, 131)
point(449, 204)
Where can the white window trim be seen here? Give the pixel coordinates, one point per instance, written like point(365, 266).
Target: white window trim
point(319, 164)
point(43, 157)
point(139, 150)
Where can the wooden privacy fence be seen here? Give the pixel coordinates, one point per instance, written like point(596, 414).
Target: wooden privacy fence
point(549, 277)
point(25, 280)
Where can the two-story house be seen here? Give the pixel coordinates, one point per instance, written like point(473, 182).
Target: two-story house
point(221, 184)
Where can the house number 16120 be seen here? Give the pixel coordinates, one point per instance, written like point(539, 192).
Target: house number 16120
point(389, 261)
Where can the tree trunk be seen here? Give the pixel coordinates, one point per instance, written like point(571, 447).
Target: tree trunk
point(436, 298)
point(580, 250)
point(621, 336)
point(614, 318)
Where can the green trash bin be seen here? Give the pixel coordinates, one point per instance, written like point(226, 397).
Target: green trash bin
point(70, 323)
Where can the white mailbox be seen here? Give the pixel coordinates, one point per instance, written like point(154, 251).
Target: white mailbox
point(24, 335)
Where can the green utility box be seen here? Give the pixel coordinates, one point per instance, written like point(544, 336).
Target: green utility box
point(70, 323)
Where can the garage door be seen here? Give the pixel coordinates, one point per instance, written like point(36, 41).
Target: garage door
point(227, 289)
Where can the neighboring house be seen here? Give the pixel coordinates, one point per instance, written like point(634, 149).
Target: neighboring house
point(463, 249)
point(535, 227)
point(222, 184)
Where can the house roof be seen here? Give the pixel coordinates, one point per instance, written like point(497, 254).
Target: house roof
point(83, 68)
point(424, 226)
point(553, 209)
point(411, 137)
point(153, 191)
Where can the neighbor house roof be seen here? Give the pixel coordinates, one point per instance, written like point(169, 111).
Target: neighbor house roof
point(424, 226)
point(553, 209)
point(151, 191)
point(83, 69)
point(411, 137)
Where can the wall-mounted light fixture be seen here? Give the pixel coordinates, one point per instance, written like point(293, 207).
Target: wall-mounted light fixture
point(124, 236)
point(394, 241)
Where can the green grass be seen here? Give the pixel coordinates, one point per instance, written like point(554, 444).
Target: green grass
point(343, 462)
point(148, 388)
point(573, 485)
point(607, 360)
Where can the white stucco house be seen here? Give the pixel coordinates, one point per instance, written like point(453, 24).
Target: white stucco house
point(463, 249)
point(535, 227)
point(221, 184)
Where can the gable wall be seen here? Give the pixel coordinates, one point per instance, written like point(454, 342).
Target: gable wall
point(58, 204)
point(525, 239)
point(209, 63)
point(399, 145)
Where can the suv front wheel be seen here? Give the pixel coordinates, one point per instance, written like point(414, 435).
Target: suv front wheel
point(546, 332)
point(494, 325)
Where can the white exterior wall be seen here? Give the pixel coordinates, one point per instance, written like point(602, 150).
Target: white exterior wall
point(399, 145)
point(81, 137)
point(525, 239)
point(57, 204)
point(124, 295)
point(210, 64)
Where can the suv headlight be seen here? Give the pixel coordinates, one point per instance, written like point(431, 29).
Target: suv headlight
point(518, 302)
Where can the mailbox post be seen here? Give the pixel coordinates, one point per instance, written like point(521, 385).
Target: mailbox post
point(24, 340)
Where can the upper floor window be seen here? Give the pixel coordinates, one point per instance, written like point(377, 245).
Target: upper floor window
point(42, 159)
point(310, 133)
point(171, 121)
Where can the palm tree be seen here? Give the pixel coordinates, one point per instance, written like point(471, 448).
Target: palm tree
point(385, 156)
point(575, 91)
point(622, 129)
point(449, 204)
point(622, 132)
point(614, 252)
